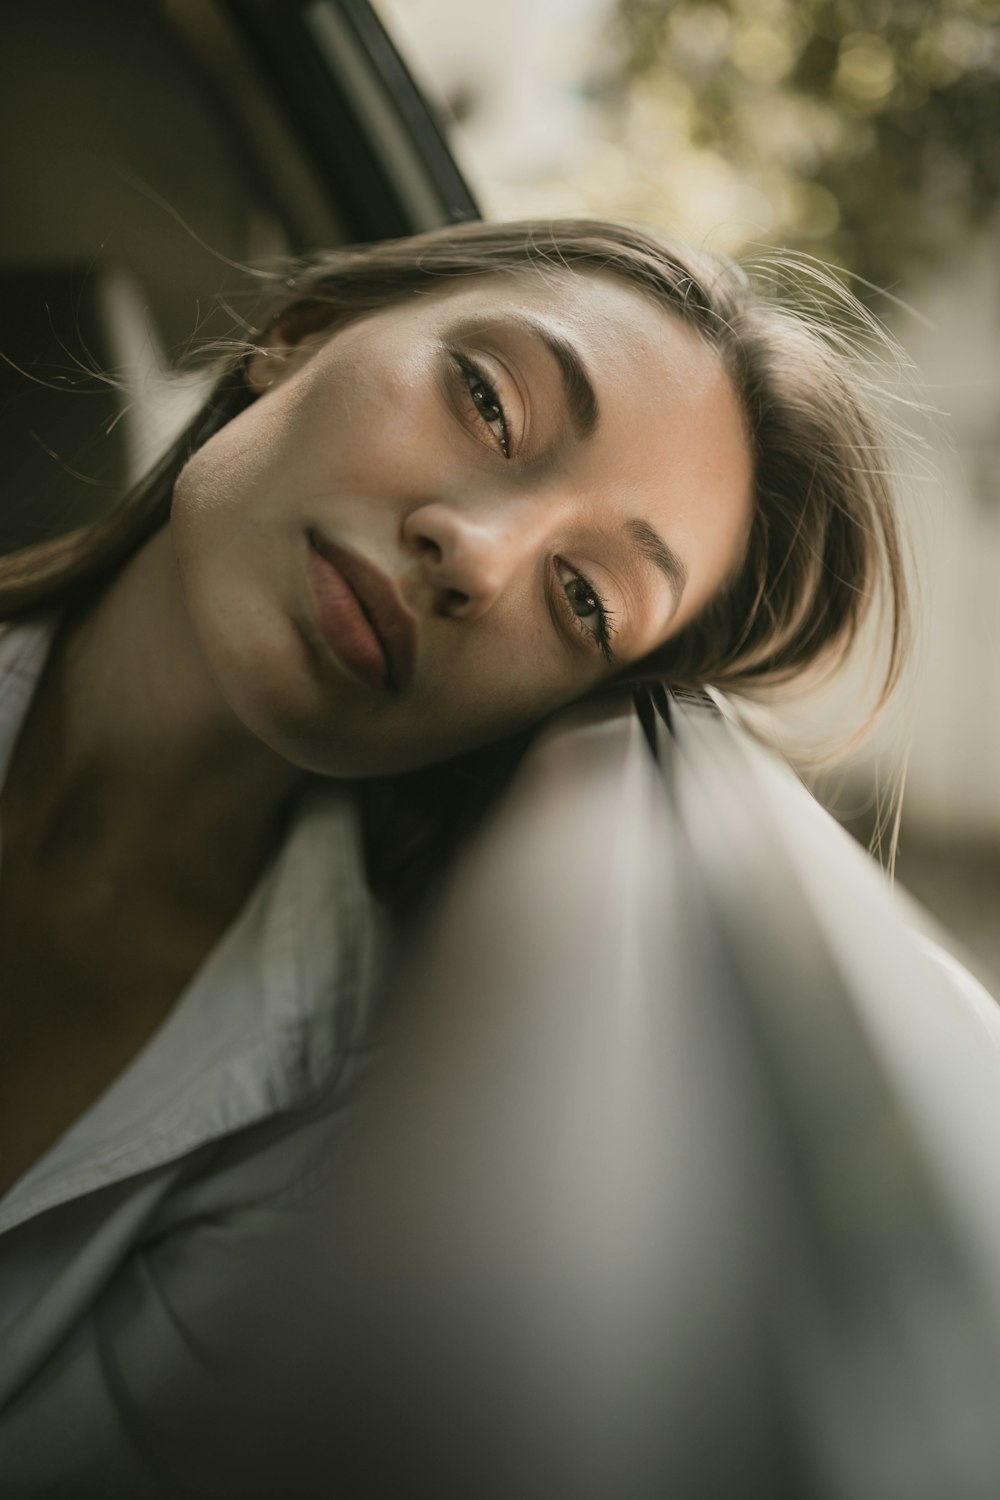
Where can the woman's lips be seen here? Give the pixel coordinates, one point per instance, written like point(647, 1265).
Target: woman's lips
point(359, 615)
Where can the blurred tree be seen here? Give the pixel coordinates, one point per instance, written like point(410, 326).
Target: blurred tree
point(866, 131)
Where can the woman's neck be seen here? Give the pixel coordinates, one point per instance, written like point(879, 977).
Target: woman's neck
point(131, 760)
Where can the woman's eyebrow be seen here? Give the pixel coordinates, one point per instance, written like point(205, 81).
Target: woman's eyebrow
point(655, 550)
point(581, 398)
point(578, 388)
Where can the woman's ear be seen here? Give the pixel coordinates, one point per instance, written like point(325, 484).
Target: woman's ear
point(270, 361)
point(286, 346)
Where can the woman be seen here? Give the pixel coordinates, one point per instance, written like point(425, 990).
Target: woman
point(455, 483)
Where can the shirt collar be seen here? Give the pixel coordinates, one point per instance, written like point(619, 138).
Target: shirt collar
point(286, 991)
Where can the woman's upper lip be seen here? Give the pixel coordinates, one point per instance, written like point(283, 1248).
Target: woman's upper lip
point(391, 621)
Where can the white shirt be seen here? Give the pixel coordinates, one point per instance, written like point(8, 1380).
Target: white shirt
point(111, 1242)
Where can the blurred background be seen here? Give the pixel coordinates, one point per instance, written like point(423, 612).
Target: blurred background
point(865, 133)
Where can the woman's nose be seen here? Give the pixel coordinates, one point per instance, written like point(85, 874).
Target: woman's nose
point(468, 557)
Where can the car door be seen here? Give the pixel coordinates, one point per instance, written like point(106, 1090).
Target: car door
point(684, 1144)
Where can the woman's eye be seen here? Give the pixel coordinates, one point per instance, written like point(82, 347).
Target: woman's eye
point(583, 601)
point(487, 406)
point(587, 607)
point(486, 400)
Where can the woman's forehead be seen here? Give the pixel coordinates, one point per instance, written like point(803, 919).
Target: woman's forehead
point(593, 303)
point(630, 345)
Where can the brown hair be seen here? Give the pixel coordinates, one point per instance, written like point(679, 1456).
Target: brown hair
point(824, 544)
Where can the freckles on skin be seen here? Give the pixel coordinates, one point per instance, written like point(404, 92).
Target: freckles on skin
point(360, 384)
point(480, 668)
point(365, 428)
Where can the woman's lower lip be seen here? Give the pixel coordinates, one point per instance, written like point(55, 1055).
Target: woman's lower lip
point(343, 623)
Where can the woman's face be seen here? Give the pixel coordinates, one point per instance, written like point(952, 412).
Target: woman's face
point(449, 518)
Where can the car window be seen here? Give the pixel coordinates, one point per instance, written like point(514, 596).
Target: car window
point(153, 155)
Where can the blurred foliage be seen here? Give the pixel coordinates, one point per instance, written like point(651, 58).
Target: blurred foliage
point(863, 131)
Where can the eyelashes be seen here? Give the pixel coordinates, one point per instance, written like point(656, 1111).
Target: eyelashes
point(580, 598)
point(487, 408)
point(584, 602)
